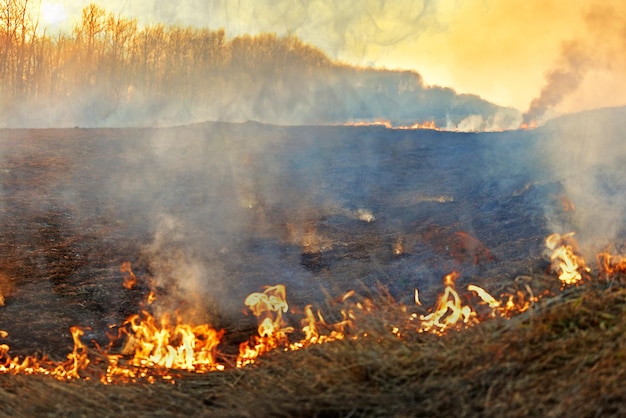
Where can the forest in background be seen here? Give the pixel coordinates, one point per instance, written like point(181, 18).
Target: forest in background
point(108, 71)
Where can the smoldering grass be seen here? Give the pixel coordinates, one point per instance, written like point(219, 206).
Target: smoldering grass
point(566, 358)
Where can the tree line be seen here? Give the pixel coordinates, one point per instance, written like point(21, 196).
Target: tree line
point(113, 56)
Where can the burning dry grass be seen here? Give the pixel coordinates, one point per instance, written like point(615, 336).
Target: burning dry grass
point(527, 352)
point(564, 357)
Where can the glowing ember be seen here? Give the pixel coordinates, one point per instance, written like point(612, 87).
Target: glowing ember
point(565, 261)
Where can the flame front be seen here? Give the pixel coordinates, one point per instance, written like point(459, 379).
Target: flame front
point(429, 124)
point(155, 345)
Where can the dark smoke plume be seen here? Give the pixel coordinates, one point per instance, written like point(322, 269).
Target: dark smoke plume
point(560, 82)
point(600, 47)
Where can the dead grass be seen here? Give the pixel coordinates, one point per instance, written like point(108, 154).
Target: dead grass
point(566, 357)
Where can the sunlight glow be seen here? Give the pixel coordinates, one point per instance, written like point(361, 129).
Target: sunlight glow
point(53, 14)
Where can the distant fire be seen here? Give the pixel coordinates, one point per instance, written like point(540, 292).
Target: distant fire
point(430, 124)
point(155, 347)
point(529, 125)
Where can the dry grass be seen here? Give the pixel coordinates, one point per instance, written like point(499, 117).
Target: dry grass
point(566, 357)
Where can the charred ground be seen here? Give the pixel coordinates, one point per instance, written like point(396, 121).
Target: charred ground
point(321, 209)
point(332, 208)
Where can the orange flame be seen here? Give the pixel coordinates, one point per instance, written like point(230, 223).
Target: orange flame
point(610, 265)
point(268, 307)
point(448, 310)
point(129, 277)
point(429, 124)
point(529, 125)
point(76, 360)
point(159, 343)
point(565, 261)
point(154, 346)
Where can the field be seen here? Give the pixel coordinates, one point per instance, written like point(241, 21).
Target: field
point(210, 213)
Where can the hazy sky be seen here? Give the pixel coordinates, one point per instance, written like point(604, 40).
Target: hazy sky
point(501, 50)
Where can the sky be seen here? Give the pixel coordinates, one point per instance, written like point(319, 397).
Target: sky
point(509, 52)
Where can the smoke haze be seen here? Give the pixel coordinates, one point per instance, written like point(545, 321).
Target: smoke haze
point(601, 47)
point(585, 153)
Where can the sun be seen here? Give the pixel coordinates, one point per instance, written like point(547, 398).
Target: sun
point(53, 14)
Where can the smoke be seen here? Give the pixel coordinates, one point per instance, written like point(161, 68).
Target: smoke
point(601, 46)
point(355, 31)
point(585, 154)
point(332, 95)
point(561, 81)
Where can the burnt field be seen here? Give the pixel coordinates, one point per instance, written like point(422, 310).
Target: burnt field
point(225, 209)
point(210, 213)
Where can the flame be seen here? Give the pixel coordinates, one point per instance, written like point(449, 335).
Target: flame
point(610, 265)
point(76, 360)
point(529, 125)
point(567, 204)
point(154, 345)
point(416, 297)
point(398, 246)
point(429, 124)
point(486, 297)
point(130, 280)
point(268, 307)
point(565, 261)
point(159, 343)
point(448, 310)
point(311, 332)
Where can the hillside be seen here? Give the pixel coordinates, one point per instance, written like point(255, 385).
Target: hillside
point(108, 72)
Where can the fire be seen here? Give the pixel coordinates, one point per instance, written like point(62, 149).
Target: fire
point(155, 345)
point(529, 125)
point(268, 307)
point(448, 311)
point(570, 266)
point(129, 277)
point(160, 343)
point(76, 360)
point(273, 333)
point(610, 265)
point(568, 205)
point(429, 124)
point(310, 327)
